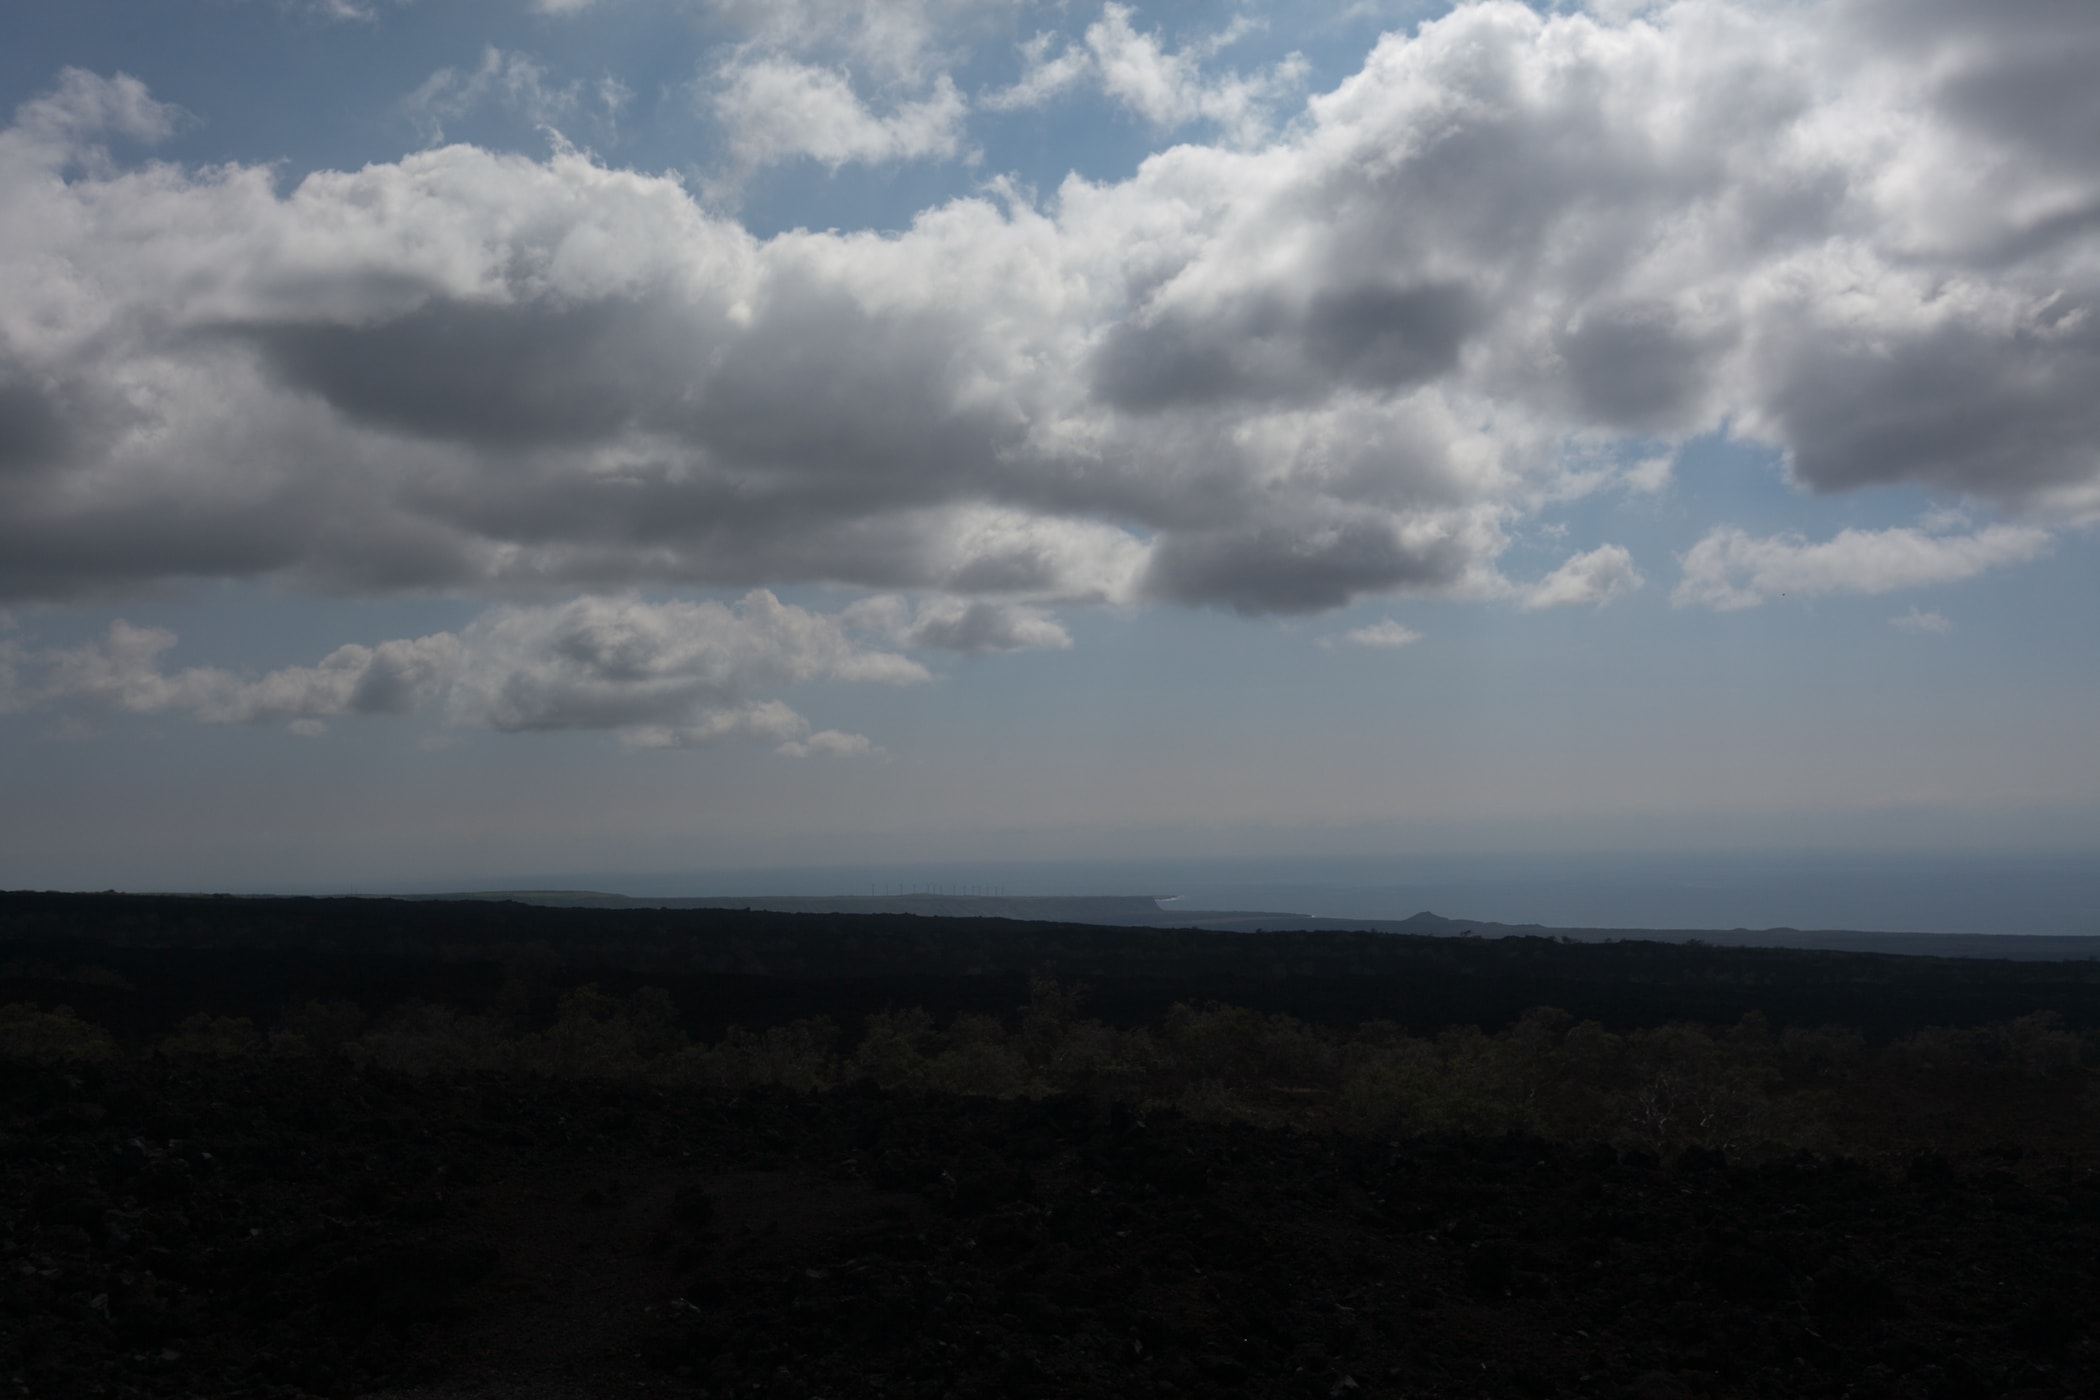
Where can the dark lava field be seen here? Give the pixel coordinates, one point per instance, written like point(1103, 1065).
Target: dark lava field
point(343, 1148)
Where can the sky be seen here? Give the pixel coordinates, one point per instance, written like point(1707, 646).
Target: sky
point(454, 442)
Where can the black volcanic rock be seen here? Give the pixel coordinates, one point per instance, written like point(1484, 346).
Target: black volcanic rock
point(1046, 1254)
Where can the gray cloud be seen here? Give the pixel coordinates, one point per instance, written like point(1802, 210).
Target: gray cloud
point(33, 430)
point(1305, 569)
point(2002, 408)
point(1386, 336)
point(1635, 367)
point(1376, 335)
point(1269, 377)
point(2020, 70)
point(491, 375)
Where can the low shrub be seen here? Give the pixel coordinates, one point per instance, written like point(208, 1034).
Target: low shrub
point(800, 1056)
point(319, 1028)
point(207, 1037)
point(29, 1035)
point(422, 1038)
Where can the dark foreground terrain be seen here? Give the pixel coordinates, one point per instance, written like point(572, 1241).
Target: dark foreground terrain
point(539, 1153)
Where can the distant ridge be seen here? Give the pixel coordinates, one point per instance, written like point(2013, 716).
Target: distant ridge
point(1125, 910)
point(1146, 911)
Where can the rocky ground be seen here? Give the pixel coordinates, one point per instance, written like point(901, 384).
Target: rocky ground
point(289, 1226)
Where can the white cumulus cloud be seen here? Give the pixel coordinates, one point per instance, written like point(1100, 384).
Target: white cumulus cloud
point(776, 109)
point(1600, 576)
point(83, 108)
point(1731, 569)
point(1167, 88)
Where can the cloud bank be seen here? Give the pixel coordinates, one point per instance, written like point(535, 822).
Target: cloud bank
point(1272, 376)
point(123, 672)
point(655, 675)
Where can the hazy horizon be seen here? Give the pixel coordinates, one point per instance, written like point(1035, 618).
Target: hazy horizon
point(1890, 892)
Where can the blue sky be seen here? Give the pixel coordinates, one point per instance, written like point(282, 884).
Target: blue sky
point(442, 442)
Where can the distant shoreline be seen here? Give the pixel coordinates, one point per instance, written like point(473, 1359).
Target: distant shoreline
point(1145, 911)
